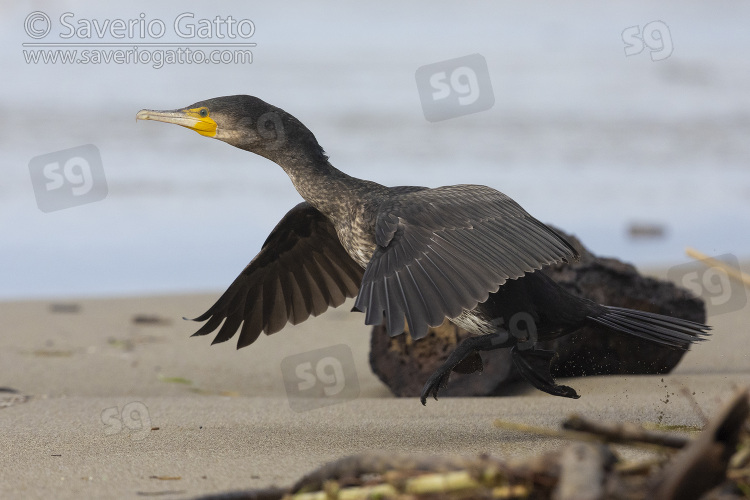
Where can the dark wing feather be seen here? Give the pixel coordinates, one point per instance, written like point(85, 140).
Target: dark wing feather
point(440, 251)
point(301, 270)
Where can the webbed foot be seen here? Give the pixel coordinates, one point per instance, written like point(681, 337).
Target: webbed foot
point(534, 366)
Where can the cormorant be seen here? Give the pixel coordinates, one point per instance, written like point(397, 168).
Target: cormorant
point(465, 252)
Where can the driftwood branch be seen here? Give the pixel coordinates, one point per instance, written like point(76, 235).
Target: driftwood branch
point(703, 463)
point(617, 432)
point(717, 460)
point(710, 261)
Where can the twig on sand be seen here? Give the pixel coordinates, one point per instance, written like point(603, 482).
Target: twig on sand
point(696, 407)
point(715, 464)
point(577, 428)
point(711, 262)
point(624, 432)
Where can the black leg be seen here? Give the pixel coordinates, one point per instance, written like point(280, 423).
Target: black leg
point(534, 365)
point(464, 359)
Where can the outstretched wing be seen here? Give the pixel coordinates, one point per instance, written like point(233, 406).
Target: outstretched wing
point(444, 250)
point(301, 270)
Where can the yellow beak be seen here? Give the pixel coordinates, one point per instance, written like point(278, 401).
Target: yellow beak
point(189, 118)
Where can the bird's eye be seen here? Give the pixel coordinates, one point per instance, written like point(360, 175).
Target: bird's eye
point(203, 112)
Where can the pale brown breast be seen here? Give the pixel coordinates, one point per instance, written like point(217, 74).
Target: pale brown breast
point(357, 234)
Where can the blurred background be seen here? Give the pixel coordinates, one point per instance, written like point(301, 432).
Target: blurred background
point(638, 155)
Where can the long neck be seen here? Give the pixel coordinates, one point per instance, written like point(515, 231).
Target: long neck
point(297, 151)
point(323, 186)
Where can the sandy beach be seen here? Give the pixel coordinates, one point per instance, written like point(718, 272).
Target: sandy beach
point(114, 400)
point(620, 123)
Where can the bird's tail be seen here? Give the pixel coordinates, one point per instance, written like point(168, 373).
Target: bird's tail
point(666, 330)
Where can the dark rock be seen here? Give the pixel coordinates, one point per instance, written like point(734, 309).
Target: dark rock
point(404, 365)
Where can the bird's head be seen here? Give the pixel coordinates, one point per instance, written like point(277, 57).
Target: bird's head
point(243, 121)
